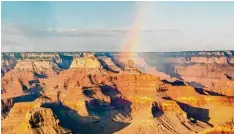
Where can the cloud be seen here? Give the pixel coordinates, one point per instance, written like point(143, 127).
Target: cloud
point(10, 43)
point(31, 39)
point(18, 38)
point(33, 32)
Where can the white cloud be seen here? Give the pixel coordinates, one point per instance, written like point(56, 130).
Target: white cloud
point(30, 39)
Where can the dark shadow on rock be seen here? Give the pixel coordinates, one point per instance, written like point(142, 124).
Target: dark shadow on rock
point(199, 88)
point(117, 62)
point(120, 103)
point(200, 91)
point(88, 92)
point(195, 113)
point(35, 89)
point(175, 83)
point(111, 91)
point(97, 106)
point(214, 93)
point(167, 98)
point(31, 82)
point(2, 72)
point(26, 98)
point(71, 120)
point(102, 114)
point(65, 61)
point(229, 61)
point(24, 87)
point(156, 111)
point(207, 92)
point(40, 75)
point(117, 101)
point(105, 66)
point(6, 105)
point(195, 84)
point(91, 79)
point(29, 97)
point(228, 77)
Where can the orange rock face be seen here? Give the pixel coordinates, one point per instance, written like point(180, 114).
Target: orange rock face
point(25, 76)
point(31, 118)
point(14, 81)
point(101, 94)
point(215, 78)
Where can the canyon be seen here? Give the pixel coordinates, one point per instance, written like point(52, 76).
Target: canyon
point(104, 92)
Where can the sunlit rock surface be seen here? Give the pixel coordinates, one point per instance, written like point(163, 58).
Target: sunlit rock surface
point(166, 93)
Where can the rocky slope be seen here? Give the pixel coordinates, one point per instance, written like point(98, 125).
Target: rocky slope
point(32, 118)
point(108, 93)
point(211, 71)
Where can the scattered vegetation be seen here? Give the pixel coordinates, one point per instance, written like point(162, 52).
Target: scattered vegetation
point(18, 56)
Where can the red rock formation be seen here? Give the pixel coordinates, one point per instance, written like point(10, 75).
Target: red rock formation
point(36, 120)
point(162, 120)
point(185, 94)
point(109, 64)
point(30, 117)
point(101, 96)
point(211, 77)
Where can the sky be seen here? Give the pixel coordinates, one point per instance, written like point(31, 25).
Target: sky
point(110, 26)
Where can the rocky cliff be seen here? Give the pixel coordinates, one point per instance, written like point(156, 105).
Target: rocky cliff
point(106, 93)
point(31, 118)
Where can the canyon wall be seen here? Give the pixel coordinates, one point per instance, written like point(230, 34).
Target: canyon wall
point(185, 92)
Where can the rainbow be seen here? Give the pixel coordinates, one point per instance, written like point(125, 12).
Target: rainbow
point(130, 41)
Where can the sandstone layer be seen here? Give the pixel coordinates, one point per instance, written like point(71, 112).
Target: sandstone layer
point(105, 93)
